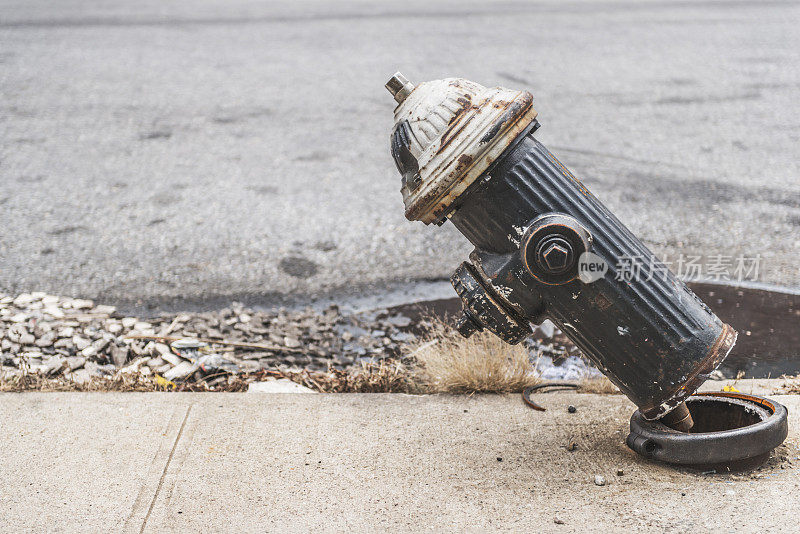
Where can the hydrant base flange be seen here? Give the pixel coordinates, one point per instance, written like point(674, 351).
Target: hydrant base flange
point(732, 431)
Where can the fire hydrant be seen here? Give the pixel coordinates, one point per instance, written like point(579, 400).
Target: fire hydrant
point(546, 248)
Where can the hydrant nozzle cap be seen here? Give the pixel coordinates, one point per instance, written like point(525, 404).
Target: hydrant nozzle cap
point(399, 86)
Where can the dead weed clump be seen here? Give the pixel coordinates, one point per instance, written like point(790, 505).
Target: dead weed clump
point(39, 382)
point(445, 362)
point(791, 385)
point(385, 376)
point(600, 384)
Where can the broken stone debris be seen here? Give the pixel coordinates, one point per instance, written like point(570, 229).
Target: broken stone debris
point(59, 336)
point(78, 339)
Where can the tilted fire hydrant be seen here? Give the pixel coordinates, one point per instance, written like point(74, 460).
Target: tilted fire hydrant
point(545, 247)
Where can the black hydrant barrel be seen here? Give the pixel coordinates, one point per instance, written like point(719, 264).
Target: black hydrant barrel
point(645, 330)
point(545, 247)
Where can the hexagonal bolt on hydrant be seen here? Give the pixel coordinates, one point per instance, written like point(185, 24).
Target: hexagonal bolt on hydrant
point(545, 247)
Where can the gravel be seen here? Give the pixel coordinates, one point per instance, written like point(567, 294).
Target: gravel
point(77, 339)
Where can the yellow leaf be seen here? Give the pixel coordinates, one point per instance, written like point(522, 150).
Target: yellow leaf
point(164, 383)
point(731, 388)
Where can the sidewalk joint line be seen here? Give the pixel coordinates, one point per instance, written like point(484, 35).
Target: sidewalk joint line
point(166, 467)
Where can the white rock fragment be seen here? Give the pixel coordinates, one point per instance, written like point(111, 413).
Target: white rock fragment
point(23, 300)
point(281, 385)
point(155, 363)
point(291, 342)
point(46, 340)
point(63, 343)
point(180, 371)
point(81, 304)
point(75, 362)
point(81, 376)
point(547, 328)
point(55, 313)
point(163, 348)
point(54, 365)
point(100, 344)
point(114, 327)
point(67, 331)
point(134, 366)
point(80, 342)
point(119, 355)
point(172, 359)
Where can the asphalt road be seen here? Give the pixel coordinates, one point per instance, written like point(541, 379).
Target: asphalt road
point(210, 150)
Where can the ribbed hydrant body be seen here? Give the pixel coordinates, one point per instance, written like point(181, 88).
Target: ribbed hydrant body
point(545, 247)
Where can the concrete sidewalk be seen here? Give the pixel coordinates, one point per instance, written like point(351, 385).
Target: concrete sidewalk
point(259, 462)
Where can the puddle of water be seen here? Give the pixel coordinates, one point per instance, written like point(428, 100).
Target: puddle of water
point(768, 323)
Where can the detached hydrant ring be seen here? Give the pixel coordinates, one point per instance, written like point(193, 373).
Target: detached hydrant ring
point(732, 431)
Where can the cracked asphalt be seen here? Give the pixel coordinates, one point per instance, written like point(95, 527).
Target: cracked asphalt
point(170, 154)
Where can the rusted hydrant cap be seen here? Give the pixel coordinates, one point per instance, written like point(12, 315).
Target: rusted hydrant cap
point(447, 133)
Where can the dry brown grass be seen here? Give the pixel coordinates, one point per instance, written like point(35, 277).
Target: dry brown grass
point(448, 363)
point(791, 385)
point(386, 376)
point(38, 382)
point(600, 385)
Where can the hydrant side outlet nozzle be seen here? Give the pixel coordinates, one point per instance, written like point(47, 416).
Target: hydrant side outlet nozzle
point(545, 247)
